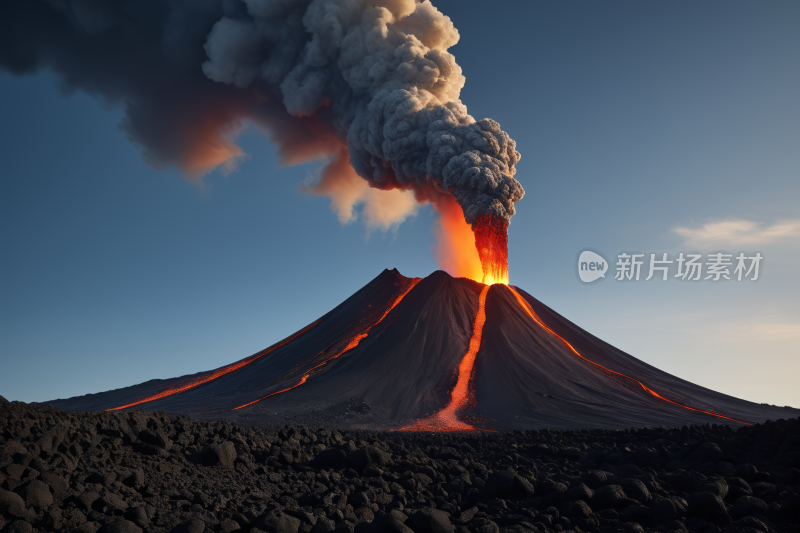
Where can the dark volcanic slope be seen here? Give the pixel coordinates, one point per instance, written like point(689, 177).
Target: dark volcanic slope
point(278, 369)
point(527, 377)
point(390, 353)
point(403, 369)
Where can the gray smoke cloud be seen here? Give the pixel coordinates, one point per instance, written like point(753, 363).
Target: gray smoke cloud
point(370, 78)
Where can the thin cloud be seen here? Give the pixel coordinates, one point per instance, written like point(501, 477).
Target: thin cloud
point(739, 232)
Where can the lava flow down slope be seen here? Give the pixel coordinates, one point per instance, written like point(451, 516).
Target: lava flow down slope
point(439, 354)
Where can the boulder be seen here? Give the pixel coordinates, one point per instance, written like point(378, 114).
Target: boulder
point(507, 484)
point(717, 486)
point(86, 499)
point(578, 492)
point(155, 438)
point(278, 522)
point(18, 526)
point(750, 523)
point(37, 494)
point(669, 509)
point(223, 454)
point(119, 525)
point(135, 479)
point(595, 479)
point(608, 497)
point(576, 509)
point(724, 468)
point(12, 504)
point(746, 471)
point(487, 526)
point(58, 484)
point(706, 452)
point(431, 521)
point(636, 513)
point(633, 488)
point(111, 503)
point(366, 457)
point(87, 527)
point(749, 505)
point(392, 522)
point(323, 525)
point(193, 525)
point(737, 487)
point(709, 507)
point(764, 490)
point(228, 526)
point(330, 458)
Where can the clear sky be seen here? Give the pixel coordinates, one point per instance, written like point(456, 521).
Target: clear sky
point(643, 126)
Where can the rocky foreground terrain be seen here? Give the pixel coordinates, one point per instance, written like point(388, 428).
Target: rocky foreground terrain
point(133, 472)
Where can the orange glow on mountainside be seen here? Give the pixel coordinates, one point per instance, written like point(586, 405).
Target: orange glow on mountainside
point(460, 397)
point(175, 389)
point(302, 380)
point(529, 310)
point(455, 250)
point(353, 342)
point(491, 241)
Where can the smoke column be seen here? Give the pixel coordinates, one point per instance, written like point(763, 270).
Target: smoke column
point(368, 82)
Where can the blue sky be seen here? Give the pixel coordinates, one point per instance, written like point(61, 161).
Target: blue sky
point(633, 120)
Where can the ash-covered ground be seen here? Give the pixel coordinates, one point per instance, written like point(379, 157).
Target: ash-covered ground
point(131, 472)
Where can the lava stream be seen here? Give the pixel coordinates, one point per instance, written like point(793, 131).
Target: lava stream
point(175, 389)
point(460, 397)
point(302, 380)
point(491, 240)
point(410, 284)
point(528, 309)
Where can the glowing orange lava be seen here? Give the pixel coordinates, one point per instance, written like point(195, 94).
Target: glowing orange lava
point(409, 284)
point(455, 250)
point(460, 397)
point(528, 309)
point(302, 380)
point(175, 389)
point(491, 240)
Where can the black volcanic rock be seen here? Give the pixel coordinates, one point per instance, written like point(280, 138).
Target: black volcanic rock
point(749, 505)
point(608, 497)
point(431, 520)
point(119, 525)
point(329, 458)
point(223, 454)
point(636, 489)
point(576, 508)
point(391, 522)
point(12, 504)
point(708, 506)
point(508, 485)
point(37, 494)
point(366, 457)
point(669, 509)
point(158, 438)
point(194, 525)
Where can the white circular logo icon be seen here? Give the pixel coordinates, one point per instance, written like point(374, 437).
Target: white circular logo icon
point(591, 266)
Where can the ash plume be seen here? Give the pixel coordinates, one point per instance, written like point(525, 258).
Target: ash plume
point(369, 81)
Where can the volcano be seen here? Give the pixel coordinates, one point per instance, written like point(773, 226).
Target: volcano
point(439, 354)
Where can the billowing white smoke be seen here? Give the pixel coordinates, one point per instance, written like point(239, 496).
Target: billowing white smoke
point(380, 74)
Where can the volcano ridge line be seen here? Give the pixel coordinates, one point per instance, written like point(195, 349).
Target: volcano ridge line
point(525, 374)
